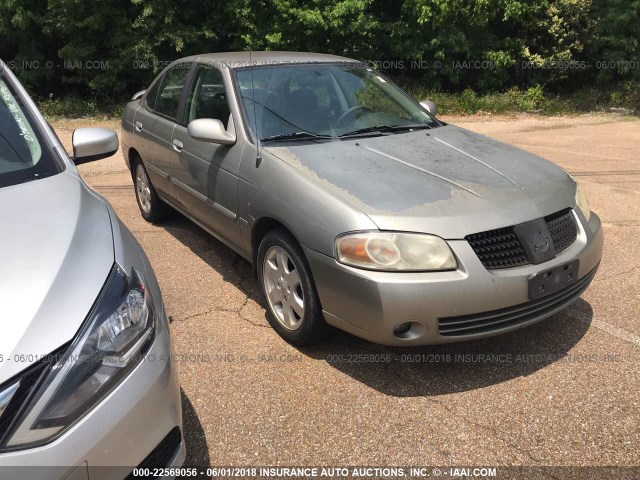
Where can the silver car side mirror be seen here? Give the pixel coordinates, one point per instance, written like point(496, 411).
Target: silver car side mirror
point(138, 95)
point(429, 106)
point(212, 131)
point(91, 144)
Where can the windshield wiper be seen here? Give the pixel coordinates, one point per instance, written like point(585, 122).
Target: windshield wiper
point(385, 128)
point(295, 136)
point(304, 135)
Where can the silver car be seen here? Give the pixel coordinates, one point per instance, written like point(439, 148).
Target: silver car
point(357, 207)
point(86, 386)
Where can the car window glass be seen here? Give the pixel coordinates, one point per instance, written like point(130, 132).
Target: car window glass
point(207, 97)
point(323, 99)
point(150, 99)
point(322, 86)
point(362, 88)
point(170, 90)
point(23, 156)
point(17, 136)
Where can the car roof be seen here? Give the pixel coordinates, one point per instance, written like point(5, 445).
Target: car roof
point(232, 60)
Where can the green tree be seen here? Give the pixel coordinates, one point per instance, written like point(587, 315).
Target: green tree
point(616, 42)
point(23, 44)
point(115, 47)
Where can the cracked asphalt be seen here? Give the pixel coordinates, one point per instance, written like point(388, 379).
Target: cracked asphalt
point(563, 392)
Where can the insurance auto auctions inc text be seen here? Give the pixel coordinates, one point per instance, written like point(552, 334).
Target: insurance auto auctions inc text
point(376, 472)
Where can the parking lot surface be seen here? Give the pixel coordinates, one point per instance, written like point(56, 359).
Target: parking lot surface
point(563, 392)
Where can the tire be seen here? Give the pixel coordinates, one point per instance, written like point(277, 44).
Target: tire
point(293, 306)
point(151, 207)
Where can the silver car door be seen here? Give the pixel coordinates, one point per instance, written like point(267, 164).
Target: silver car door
point(206, 174)
point(154, 124)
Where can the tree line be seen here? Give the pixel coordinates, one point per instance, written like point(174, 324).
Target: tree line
point(111, 48)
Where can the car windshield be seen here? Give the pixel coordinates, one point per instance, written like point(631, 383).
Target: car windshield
point(325, 100)
point(23, 155)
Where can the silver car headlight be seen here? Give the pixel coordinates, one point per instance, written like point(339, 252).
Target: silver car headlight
point(581, 202)
point(113, 340)
point(394, 251)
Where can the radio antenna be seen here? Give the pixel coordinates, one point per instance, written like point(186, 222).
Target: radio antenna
point(255, 113)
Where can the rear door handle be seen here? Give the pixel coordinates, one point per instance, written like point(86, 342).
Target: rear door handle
point(138, 126)
point(177, 146)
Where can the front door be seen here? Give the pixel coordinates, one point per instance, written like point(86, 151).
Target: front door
point(206, 174)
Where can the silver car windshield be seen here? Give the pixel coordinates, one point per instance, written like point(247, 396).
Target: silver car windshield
point(23, 156)
point(324, 100)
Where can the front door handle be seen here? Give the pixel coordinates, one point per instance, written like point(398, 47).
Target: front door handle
point(177, 146)
point(138, 126)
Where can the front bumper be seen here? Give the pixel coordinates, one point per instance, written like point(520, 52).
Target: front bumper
point(119, 433)
point(371, 304)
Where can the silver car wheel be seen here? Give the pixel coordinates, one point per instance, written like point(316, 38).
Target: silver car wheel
point(283, 288)
point(143, 188)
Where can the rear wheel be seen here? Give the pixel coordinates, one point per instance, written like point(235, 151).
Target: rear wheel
point(293, 306)
point(151, 207)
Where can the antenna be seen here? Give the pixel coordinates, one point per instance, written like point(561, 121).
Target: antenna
point(255, 113)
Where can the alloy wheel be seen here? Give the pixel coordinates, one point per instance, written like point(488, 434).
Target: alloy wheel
point(283, 288)
point(143, 188)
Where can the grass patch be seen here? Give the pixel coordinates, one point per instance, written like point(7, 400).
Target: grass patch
point(76, 107)
point(621, 99)
point(624, 98)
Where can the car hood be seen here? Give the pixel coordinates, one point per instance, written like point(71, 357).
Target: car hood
point(56, 251)
point(447, 181)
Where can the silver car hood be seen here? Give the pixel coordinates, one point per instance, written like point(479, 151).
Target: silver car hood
point(56, 251)
point(447, 181)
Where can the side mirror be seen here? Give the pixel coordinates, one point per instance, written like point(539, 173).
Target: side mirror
point(137, 95)
point(212, 131)
point(429, 106)
point(91, 144)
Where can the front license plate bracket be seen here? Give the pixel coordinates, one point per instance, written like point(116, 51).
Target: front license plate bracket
point(553, 279)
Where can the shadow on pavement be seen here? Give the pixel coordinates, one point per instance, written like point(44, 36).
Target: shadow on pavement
point(413, 371)
point(459, 367)
point(224, 260)
point(194, 437)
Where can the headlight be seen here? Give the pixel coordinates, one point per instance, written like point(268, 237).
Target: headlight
point(118, 331)
point(581, 201)
point(394, 251)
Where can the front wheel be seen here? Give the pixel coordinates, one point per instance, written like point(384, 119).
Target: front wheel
point(293, 306)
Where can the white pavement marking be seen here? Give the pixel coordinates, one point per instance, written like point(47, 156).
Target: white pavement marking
point(616, 332)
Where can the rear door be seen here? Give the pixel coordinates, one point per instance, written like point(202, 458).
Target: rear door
point(206, 174)
point(154, 125)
